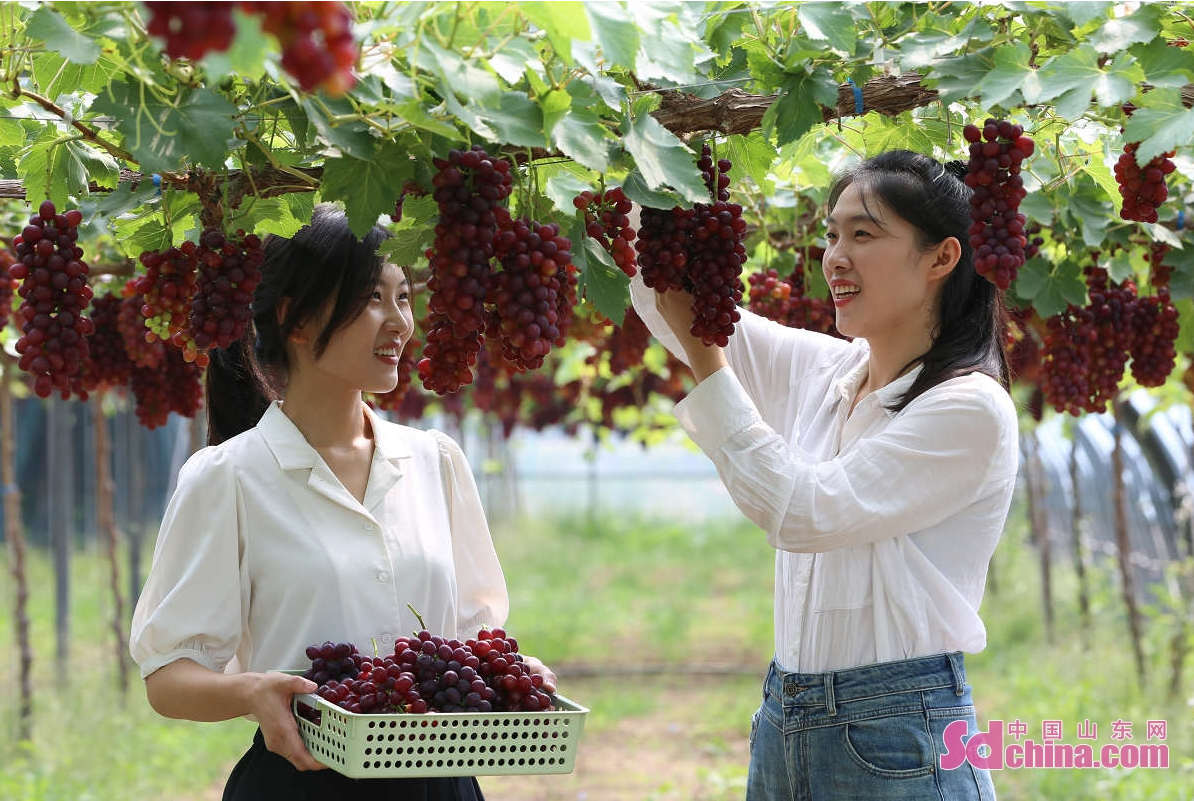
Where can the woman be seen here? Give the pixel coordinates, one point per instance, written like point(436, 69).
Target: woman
point(882, 471)
point(309, 518)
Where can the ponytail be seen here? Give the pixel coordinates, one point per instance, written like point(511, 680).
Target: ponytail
point(238, 391)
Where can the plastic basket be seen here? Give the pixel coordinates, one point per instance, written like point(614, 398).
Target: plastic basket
point(442, 743)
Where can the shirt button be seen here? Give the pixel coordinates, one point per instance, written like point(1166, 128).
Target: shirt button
point(386, 638)
point(383, 576)
point(368, 527)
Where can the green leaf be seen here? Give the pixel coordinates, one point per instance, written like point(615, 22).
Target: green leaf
point(53, 169)
point(1119, 34)
point(518, 120)
point(368, 188)
point(752, 156)
point(600, 280)
point(1165, 66)
point(799, 107)
point(407, 246)
point(1097, 169)
point(1185, 321)
point(1119, 266)
point(56, 76)
point(637, 191)
point(50, 27)
point(563, 188)
point(662, 159)
point(125, 198)
point(515, 58)
point(669, 55)
point(137, 235)
point(12, 133)
point(1181, 282)
point(956, 78)
point(561, 21)
point(103, 170)
point(615, 33)
point(414, 113)
point(350, 138)
point(280, 216)
point(1078, 71)
point(1003, 82)
point(554, 106)
point(1050, 292)
point(1158, 130)
point(164, 137)
point(582, 137)
point(246, 55)
point(829, 22)
point(466, 79)
point(1084, 12)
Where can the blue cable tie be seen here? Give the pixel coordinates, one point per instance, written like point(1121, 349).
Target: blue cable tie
point(1181, 219)
point(157, 182)
point(857, 95)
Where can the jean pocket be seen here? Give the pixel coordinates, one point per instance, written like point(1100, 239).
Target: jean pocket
point(892, 747)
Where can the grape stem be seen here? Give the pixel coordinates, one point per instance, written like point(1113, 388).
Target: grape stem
point(418, 617)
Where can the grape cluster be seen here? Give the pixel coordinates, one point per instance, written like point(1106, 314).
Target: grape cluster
point(1154, 332)
point(131, 323)
point(7, 260)
point(428, 673)
point(469, 190)
point(108, 363)
point(1159, 271)
point(316, 38)
point(53, 277)
point(607, 222)
point(785, 300)
point(699, 250)
point(1143, 187)
point(627, 343)
point(192, 29)
point(229, 271)
point(1086, 349)
point(993, 172)
point(168, 287)
point(174, 386)
point(533, 296)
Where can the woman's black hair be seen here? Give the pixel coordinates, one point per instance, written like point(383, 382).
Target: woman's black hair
point(323, 269)
point(930, 196)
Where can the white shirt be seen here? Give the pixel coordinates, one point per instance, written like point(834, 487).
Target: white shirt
point(884, 523)
point(262, 552)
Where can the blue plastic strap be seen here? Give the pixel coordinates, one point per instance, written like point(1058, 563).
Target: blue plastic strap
point(157, 182)
point(1181, 219)
point(857, 95)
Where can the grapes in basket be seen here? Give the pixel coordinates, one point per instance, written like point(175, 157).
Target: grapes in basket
point(427, 673)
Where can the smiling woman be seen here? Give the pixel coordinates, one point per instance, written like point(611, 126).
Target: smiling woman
point(309, 518)
point(882, 471)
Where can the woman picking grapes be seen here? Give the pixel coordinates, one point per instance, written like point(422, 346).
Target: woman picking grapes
point(882, 470)
point(309, 518)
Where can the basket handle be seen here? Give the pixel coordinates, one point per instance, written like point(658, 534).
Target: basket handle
point(310, 699)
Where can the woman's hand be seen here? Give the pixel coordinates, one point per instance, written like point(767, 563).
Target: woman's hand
point(268, 697)
point(537, 668)
point(676, 309)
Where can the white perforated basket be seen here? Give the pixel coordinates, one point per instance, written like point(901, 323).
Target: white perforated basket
point(443, 743)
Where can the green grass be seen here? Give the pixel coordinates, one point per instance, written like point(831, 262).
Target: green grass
point(638, 594)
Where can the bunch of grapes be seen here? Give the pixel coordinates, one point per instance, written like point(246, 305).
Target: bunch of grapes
point(429, 673)
point(316, 38)
point(607, 222)
point(469, 188)
point(53, 278)
point(1086, 349)
point(534, 294)
point(193, 29)
point(627, 343)
point(168, 287)
point(993, 172)
point(1159, 271)
point(716, 255)
point(770, 296)
point(175, 386)
point(133, 332)
point(1143, 187)
point(7, 260)
point(662, 246)
point(108, 363)
point(229, 271)
point(1154, 331)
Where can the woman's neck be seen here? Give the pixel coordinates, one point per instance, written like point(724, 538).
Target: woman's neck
point(326, 419)
point(888, 361)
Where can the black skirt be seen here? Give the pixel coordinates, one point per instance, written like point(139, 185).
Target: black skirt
point(262, 775)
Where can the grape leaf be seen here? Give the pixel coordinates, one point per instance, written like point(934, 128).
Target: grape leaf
point(561, 21)
point(1003, 82)
point(518, 120)
point(615, 33)
point(49, 26)
point(752, 156)
point(1159, 130)
point(1120, 33)
point(1165, 66)
point(563, 188)
point(582, 137)
point(600, 280)
point(163, 137)
point(369, 188)
point(662, 158)
point(799, 105)
point(829, 22)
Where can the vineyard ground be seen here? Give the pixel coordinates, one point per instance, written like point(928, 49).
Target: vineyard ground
point(653, 601)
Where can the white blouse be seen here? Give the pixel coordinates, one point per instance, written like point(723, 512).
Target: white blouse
point(883, 523)
point(262, 552)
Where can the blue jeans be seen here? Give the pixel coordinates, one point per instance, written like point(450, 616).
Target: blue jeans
point(874, 733)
